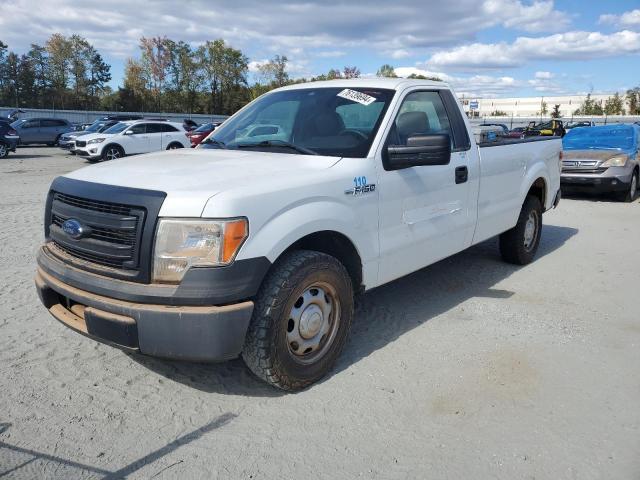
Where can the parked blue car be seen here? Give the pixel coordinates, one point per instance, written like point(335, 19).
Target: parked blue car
point(602, 159)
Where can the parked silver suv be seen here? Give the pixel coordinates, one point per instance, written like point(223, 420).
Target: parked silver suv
point(41, 130)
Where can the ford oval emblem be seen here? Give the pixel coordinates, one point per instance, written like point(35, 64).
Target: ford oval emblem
point(73, 228)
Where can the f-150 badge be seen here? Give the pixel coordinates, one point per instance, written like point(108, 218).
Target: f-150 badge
point(361, 187)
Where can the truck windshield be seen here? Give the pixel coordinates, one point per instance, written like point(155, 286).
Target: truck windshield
point(600, 138)
point(339, 122)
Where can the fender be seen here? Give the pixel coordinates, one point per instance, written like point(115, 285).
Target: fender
point(324, 214)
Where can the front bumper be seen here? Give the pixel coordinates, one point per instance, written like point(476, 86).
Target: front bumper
point(12, 141)
point(91, 152)
point(204, 334)
point(608, 181)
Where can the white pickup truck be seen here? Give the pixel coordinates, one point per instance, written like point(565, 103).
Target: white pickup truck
point(255, 245)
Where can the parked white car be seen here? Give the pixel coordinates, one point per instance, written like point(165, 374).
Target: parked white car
point(132, 137)
point(256, 246)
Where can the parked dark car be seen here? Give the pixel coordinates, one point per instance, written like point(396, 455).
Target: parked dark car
point(8, 139)
point(202, 132)
point(602, 159)
point(41, 130)
point(189, 125)
point(517, 132)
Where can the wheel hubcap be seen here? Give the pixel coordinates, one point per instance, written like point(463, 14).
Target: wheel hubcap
point(530, 230)
point(3, 150)
point(313, 323)
point(634, 185)
point(113, 154)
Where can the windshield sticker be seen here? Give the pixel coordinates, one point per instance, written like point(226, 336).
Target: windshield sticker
point(355, 96)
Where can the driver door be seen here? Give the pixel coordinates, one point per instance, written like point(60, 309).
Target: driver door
point(426, 212)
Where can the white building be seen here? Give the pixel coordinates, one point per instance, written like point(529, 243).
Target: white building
point(528, 106)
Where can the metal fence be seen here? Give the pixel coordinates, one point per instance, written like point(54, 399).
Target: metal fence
point(88, 116)
point(513, 122)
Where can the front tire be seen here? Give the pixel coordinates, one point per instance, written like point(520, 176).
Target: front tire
point(174, 146)
point(301, 320)
point(520, 244)
point(112, 152)
point(4, 150)
point(631, 194)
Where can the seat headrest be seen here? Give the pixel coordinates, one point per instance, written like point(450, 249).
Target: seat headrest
point(323, 124)
point(410, 123)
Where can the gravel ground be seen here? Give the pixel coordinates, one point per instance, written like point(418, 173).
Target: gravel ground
point(470, 368)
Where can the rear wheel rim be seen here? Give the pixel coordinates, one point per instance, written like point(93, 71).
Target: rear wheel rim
point(313, 323)
point(530, 230)
point(113, 153)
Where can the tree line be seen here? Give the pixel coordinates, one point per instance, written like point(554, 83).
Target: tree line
point(174, 76)
point(65, 72)
point(166, 76)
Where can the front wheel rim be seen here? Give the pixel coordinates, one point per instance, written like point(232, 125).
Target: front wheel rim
point(634, 186)
point(313, 323)
point(113, 153)
point(530, 230)
point(3, 151)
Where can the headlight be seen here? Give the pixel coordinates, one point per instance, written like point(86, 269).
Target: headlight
point(96, 140)
point(617, 161)
point(181, 244)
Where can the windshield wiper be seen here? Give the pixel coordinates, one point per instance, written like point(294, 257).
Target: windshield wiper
point(278, 144)
point(213, 141)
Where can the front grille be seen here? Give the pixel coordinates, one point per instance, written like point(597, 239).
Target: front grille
point(112, 230)
point(81, 143)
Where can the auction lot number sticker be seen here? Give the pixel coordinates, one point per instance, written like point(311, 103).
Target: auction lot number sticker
point(355, 96)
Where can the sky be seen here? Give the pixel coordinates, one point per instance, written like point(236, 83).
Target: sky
point(483, 48)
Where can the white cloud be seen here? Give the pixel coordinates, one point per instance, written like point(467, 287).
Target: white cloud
point(399, 53)
point(544, 75)
point(627, 19)
point(540, 16)
point(331, 54)
point(575, 45)
point(475, 85)
point(265, 27)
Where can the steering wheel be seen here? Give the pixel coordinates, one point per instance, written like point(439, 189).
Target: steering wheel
point(354, 133)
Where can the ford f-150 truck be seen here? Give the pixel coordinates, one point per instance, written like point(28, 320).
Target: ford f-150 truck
point(255, 245)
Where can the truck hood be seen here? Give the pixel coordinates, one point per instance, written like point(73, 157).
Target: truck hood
point(191, 177)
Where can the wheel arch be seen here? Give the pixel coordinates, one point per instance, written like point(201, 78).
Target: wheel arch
point(338, 246)
point(113, 144)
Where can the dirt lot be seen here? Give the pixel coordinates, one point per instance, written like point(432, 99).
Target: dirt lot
point(470, 368)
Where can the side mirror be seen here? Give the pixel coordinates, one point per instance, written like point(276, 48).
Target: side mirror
point(128, 132)
point(420, 150)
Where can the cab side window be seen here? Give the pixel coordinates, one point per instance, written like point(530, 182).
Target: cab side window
point(421, 113)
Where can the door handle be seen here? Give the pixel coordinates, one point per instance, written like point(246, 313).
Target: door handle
point(462, 174)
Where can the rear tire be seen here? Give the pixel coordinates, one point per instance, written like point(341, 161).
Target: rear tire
point(301, 320)
point(174, 146)
point(520, 244)
point(631, 194)
point(112, 152)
